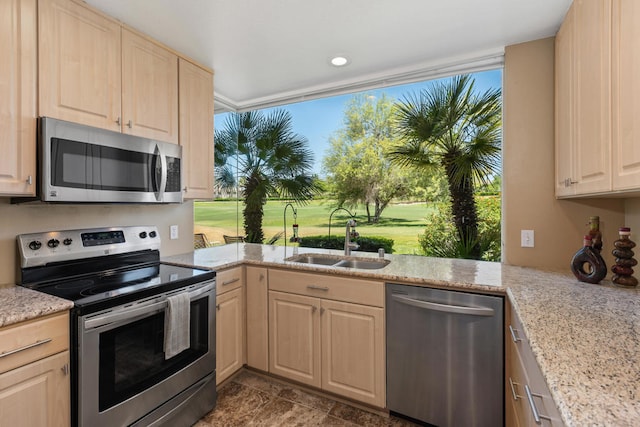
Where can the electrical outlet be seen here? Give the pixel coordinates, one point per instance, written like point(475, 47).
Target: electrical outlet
point(174, 232)
point(526, 239)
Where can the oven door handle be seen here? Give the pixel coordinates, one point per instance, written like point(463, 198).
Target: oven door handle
point(131, 312)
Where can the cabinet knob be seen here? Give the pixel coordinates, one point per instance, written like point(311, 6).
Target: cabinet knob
point(218, 307)
point(29, 180)
point(314, 309)
point(118, 121)
point(129, 124)
point(65, 369)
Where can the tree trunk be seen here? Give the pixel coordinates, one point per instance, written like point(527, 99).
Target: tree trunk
point(368, 213)
point(465, 214)
point(253, 210)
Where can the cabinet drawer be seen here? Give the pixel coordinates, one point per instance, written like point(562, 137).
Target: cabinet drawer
point(228, 280)
point(326, 286)
point(524, 370)
point(26, 342)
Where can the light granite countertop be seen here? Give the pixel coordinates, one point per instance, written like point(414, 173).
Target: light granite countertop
point(18, 304)
point(586, 338)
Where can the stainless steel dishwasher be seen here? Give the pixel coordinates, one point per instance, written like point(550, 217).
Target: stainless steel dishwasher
point(445, 356)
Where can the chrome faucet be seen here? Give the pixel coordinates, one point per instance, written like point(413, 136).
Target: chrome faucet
point(351, 228)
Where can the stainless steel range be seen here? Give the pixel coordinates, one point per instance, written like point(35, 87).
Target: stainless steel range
point(143, 332)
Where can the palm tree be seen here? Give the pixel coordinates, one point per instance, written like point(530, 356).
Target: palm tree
point(452, 127)
point(272, 161)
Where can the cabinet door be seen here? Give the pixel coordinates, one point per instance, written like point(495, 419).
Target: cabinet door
point(564, 127)
point(257, 318)
point(294, 337)
point(80, 65)
point(592, 61)
point(18, 97)
point(37, 394)
point(229, 333)
point(353, 351)
point(196, 130)
point(626, 92)
point(149, 89)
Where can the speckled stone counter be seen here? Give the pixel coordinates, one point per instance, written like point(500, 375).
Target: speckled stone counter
point(18, 304)
point(586, 338)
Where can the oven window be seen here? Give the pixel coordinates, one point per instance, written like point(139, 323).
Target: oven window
point(132, 359)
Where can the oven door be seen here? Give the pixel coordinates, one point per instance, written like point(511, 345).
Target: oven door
point(122, 371)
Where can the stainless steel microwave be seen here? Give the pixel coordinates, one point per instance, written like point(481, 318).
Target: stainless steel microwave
point(82, 164)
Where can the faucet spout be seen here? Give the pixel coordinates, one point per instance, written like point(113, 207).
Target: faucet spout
point(349, 229)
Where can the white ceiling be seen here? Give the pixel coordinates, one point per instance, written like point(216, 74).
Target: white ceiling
point(266, 52)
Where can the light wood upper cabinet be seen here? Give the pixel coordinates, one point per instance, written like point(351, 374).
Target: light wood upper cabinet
point(196, 129)
point(626, 93)
point(583, 100)
point(564, 108)
point(257, 318)
point(149, 89)
point(18, 47)
point(80, 65)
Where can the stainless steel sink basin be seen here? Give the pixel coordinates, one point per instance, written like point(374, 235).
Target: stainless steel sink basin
point(314, 259)
point(364, 264)
point(338, 261)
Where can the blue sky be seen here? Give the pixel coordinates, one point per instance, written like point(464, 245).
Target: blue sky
point(318, 119)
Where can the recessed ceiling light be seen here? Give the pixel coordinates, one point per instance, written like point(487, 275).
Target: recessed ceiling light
point(339, 61)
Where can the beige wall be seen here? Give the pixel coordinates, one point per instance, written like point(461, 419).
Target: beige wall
point(36, 217)
point(632, 219)
point(528, 163)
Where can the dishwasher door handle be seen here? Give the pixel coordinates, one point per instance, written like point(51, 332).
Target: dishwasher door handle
point(457, 309)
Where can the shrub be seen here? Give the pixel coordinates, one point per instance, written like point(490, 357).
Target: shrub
point(441, 239)
point(367, 243)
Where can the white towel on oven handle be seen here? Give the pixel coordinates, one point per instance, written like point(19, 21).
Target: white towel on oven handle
point(177, 319)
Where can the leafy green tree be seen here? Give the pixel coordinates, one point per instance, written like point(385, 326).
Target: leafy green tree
point(451, 127)
point(272, 161)
point(358, 171)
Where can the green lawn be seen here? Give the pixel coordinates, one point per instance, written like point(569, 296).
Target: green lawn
point(402, 222)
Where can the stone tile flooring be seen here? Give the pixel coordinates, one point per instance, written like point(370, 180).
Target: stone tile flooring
point(250, 399)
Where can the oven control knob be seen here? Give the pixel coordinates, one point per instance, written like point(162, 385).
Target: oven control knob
point(35, 245)
point(152, 234)
point(53, 243)
point(67, 242)
point(143, 234)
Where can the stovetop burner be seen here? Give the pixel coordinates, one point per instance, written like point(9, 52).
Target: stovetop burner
point(100, 268)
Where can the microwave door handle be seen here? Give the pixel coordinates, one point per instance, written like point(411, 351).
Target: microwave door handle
point(160, 189)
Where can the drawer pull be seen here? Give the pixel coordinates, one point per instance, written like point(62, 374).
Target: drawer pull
point(318, 288)
point(513, 390)
point(65, 369)
point(514, 337)
point(534, 409)
point(228, 282)
point(26, 347)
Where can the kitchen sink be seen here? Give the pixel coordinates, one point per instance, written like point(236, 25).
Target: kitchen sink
point(338, 261)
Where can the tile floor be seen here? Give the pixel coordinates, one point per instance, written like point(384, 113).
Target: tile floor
point(250, 399)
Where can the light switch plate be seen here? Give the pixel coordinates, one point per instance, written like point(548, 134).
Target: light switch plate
point(174, 232)
point(527, 239)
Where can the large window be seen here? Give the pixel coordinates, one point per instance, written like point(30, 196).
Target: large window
point(374, 157)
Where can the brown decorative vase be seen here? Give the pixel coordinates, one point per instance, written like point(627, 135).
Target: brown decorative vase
point(587, 264)
point(623, 268)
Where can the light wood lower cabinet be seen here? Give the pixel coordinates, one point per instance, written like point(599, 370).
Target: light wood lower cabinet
point(334, 345)
point(526, 392)
point(257, 318)
point(230, 323)
point(34, 373)
point(36, 394)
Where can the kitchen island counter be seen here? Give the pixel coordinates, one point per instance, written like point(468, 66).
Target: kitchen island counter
point(585, 338)
point(18, 304)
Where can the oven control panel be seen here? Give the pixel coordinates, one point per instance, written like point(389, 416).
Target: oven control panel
point(54, 246)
